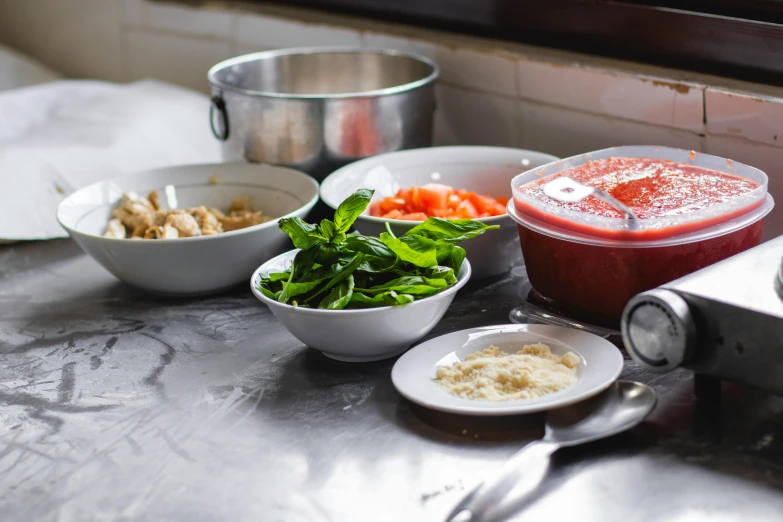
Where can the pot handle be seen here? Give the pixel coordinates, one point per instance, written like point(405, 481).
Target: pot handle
point(222, 130)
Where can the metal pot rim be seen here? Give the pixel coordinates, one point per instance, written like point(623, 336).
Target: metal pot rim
point(211, 75)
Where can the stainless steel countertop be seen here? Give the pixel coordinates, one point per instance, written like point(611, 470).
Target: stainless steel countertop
point(118, 405)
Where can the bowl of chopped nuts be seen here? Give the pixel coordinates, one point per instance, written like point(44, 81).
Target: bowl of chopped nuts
point(188, 230)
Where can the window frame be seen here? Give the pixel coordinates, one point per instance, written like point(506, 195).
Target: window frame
point(707, 42)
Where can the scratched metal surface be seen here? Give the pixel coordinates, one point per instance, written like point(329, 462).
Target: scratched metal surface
point(117, 405)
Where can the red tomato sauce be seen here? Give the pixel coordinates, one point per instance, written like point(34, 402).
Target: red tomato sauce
point(651, 188)
point(598, 281)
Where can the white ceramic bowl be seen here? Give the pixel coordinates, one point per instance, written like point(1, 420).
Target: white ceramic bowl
point(485, 170)
point(195, 265)
point(364, 335)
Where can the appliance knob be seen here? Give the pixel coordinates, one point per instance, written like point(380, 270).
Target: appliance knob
point(658, 330)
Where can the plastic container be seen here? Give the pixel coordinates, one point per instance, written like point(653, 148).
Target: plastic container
point(595, 264)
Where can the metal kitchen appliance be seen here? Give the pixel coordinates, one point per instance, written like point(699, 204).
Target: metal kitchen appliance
point(317, 109)
point(725, 321)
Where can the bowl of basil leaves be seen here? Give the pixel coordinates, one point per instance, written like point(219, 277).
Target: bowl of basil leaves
point(362, 298)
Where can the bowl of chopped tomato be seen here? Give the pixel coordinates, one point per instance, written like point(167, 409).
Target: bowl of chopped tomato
point(460, 182)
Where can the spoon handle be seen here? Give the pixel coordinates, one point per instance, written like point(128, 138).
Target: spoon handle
point(487, 495)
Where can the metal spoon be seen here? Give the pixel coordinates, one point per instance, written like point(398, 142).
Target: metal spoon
point(624, 405)
point(568, 190)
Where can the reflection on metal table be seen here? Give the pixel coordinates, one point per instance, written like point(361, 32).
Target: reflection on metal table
point(118, 405)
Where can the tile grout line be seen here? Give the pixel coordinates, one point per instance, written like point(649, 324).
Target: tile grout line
point(180, 34)
point(535, 101)
point(124, 44)
point(704, 108)
point(234, 34)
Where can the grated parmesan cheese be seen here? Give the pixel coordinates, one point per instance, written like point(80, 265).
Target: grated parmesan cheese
point(494, 375)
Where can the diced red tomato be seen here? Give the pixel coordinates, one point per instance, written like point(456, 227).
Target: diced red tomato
point(434, 195)
point(415, 216)
point(441, 212)
point(481, 203)
point(466, 210)
point(414, 201)
point(389, 204)
point(434, 199)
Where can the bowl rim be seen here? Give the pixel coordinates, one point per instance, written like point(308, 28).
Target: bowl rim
point(357, 165)
point(465, 271)
point(722, 229)
point(274, 53)
point(181, 240)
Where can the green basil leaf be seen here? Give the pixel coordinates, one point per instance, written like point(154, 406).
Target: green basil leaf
point(340, 295)
point(320, 273)
point(267, 292)
point(391, 298)
point(416, 250)
point(328, 231)
point(278, 276)
point(344, 272)
point(372, 246)
point(309, 260)
point(455, 258)
point(292, 290)
point(350, 209)
point(378, 265)
point(360, 300)
point(450, 230)
point(441, 272)
point(283, 296)
point(300, 232)
point(418, 291)
point(414, 285)
point(401, 299)
point(449, 254)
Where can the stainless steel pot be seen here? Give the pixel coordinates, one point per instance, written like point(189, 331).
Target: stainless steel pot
point(317, 109)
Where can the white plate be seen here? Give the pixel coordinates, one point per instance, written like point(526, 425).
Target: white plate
point(413, 373)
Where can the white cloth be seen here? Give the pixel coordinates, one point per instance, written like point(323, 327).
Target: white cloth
point(17, 70)
point(59, 136)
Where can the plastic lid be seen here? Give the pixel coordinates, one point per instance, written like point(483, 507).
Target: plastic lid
point(554, 220)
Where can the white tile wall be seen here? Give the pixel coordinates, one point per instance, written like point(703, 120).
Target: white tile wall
point(474, 118)
point(176, 59)
point(612, 93)
point(489, 92)
point(387, 41)
point(243, 48)
point(481, 71)
point(752, 117)
point(134, 12)
point(191, 20)
point(273, 32)
point(76, 37)
point(565, 132)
